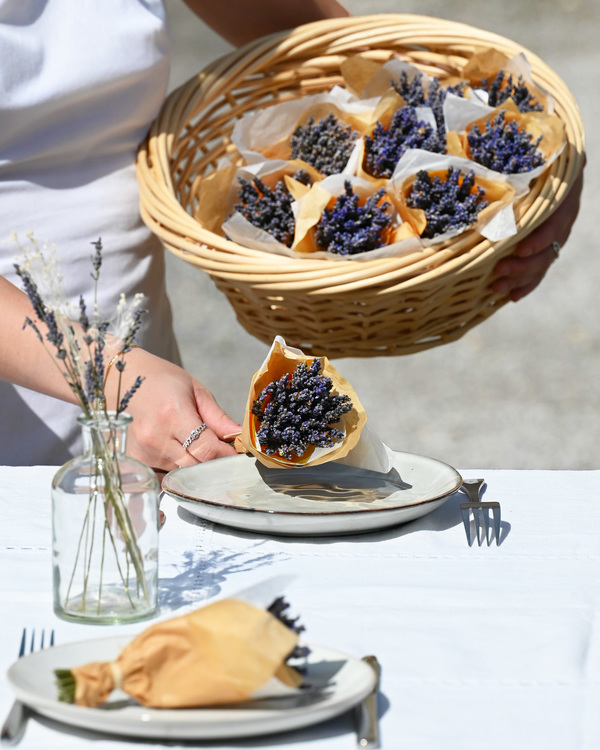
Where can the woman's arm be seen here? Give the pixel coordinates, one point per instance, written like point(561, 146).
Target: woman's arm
point(169, 404)
point(23, 357)
point(241, 21)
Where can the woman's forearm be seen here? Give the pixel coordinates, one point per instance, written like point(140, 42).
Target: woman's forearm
point(24, 359)
point(241, 21)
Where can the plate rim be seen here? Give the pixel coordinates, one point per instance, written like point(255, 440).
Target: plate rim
point(251, 722)
point(276, 512)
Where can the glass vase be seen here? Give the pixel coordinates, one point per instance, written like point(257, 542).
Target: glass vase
point(105, 508)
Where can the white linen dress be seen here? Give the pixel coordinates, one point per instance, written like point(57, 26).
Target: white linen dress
point(80, 83)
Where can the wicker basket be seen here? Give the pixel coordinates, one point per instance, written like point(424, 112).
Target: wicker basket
point(351, 308)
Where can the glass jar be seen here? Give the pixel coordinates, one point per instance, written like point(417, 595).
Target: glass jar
point(105, 530)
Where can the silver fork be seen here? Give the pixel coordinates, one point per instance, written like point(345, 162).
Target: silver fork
point(16, 721)
point(481, 513)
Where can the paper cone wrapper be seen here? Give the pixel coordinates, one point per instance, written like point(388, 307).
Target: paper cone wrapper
point(550, 128)
point(218, 654)
point(488, 63)
point(283, 360)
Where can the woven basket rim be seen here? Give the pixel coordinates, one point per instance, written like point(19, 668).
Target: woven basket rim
point(308, 49)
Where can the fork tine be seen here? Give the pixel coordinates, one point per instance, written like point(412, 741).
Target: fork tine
point(478, 515)
point(496, 512)
point(23, 641)
point(466, 517)
point(486, 524)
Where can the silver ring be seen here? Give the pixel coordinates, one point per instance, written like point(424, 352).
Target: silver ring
point(556, 249)
point(193, 435)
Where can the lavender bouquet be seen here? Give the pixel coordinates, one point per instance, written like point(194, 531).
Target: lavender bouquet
point(101, 571)
point(300, 411)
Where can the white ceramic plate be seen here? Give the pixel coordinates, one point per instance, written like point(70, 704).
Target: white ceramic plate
point(339, 681)
point(328, 499)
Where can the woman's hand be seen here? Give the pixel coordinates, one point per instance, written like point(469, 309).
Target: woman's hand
point(520, 273)
point(166, 408)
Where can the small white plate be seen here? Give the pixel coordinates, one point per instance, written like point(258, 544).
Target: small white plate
point(339, 681)
point(328, 499)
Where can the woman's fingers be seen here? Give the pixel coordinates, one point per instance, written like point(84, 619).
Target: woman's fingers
point(520, 273)
point(206, 446)
point(213, 415)
point(520, 276)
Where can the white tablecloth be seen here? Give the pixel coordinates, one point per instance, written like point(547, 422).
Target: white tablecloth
point(495, 647)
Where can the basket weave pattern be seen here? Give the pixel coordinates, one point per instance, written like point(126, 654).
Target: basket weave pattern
point(384, 306)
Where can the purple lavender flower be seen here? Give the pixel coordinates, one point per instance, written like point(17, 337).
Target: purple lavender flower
point(85, 376)
point(298, 411)
point(269, 209)
point(504, 146)
point(127, 397)
point(326, 145)
point(278, 609)
point(450, 203)
point(503, 87)
point(97, 259)
point(44, 314)
point(414, 94)
point(354, 226)
point(131, 335)
point(84, 321)
point(385, 147)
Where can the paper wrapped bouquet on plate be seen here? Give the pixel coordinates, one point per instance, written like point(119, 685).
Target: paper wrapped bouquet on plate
point(235, 667)
point(226, 652)
point(307, 463)
point(351, 184)
point(301, 413)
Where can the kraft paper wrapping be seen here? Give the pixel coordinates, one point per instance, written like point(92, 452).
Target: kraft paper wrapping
point(280, 361)
point(495, 222)
point(550, 127)
point(488, 63)
point(266, 133)
point(221, 653)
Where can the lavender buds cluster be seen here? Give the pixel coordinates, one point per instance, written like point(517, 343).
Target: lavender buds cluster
point(450, 203)
point(298, 411)
point(269, 209)
point(503, 87)
point(354, 226)
point(278, 609)
point(414, 94)
point(385, 147)
point(326, 145)
point(504, 146)
point(79, 351)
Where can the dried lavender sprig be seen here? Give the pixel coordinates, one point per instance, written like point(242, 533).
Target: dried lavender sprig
point(450, 203)
point(354, 226)
point(298, 411)
point(385, 147)
point(43, 313)
point(97, 259)
point(414, 94)
point(54, 336)
point(504, 146)
point(503, 87)
point(123, 404)
point(326, 145)
point(86, 380)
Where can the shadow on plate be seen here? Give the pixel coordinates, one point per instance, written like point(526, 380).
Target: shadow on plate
point(332, 481)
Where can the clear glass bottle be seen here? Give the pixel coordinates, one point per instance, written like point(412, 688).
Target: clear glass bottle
point(105, 508)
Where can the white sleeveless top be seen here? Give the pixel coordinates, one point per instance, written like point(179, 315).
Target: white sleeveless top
point(80, 83)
